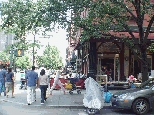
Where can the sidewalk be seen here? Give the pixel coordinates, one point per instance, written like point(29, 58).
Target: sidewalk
point(58, 99)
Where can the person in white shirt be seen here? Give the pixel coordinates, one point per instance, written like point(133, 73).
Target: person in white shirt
point(57, 81)
point(43, 83)
point(42, 67)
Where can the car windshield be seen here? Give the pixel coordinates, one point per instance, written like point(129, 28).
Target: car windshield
point(147, 84)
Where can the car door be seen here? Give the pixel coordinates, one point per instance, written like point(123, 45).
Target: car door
point(152, 97)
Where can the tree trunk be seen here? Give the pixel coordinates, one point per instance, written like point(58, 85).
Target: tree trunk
point(144, 65)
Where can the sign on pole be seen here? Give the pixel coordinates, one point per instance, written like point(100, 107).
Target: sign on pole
point(19, 52)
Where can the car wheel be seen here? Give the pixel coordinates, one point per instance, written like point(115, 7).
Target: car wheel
point(92, 111)
point(71, 92)
point(140, 106)
point(78, 91)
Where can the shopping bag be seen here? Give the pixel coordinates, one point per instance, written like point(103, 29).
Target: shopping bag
point(132, 85)
point(3, 89)
point(68, 86)
point(107, 96)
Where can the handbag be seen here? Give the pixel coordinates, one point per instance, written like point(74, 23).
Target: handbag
point(68, 86)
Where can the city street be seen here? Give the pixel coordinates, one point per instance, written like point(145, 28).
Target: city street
point(7, 108)
point(57, 104)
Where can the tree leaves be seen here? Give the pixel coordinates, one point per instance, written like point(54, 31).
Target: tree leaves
point(51, 57)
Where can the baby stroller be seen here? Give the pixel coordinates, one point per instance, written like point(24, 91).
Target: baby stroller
point(73, 85)
point(22, 80)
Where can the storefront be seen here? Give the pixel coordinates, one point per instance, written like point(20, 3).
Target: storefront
point(114, 56)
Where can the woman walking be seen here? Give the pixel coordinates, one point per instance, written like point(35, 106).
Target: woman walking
point(9, 82)
point(57, 81)
point(43, 82)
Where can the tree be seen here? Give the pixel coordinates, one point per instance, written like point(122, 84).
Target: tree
point(22, 62)
point(51, 57)
point(21, 16)
point(105, 16)
point(4, 57)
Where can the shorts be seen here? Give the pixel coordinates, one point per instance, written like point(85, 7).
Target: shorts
point(8, 84)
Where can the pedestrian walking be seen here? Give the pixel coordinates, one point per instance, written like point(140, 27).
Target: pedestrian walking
point(42, 67)
point(31, 81)
point(9, 82)
point(43, 84)
point(2, 80)
point(57, 81)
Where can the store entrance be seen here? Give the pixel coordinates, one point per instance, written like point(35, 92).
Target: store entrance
point(108, 63)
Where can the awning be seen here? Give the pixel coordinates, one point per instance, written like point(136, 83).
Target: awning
point(124, 34)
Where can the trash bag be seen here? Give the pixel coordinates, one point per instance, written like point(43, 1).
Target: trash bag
point(107, 96)
point(94, 96)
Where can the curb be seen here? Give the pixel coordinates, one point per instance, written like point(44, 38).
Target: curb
point(53, 106)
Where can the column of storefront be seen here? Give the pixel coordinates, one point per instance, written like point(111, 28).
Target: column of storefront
point(153, 61)
point(122, 77)
point(92, 60)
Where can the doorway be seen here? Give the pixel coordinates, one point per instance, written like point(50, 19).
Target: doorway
point(108, 63)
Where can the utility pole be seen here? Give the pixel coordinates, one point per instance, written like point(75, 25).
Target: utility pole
point(11, 55)
point(33, 47)
point(48, 41)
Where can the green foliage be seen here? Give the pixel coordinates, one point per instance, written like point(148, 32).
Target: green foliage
point(151, 48)
point(103, 16)
point(21, 16)
point(51, 58)
point(22, 62)
point(4, 57)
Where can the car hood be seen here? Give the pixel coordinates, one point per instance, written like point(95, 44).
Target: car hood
point(127, 91)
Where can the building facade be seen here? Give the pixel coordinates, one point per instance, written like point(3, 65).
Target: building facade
point(94, 55)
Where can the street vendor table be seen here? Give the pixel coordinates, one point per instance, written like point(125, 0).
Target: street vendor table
point(116, 85)
point(137, 84)
point(63, 81)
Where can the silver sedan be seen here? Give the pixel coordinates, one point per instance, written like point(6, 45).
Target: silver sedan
point(139, 99)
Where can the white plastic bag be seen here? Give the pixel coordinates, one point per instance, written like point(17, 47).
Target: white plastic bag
point(94, 96)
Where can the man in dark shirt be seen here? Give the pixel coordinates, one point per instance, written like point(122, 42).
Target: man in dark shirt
point(31, 80)
point(2, 79)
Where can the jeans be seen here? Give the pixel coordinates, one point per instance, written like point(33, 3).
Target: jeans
point(2, 84)
point(43, 92)
point(31, 94)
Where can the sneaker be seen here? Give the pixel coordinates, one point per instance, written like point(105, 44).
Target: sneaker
point(45, 99)
point(6, 96)
point(28, 104)
point(51, 93)
point(13, 97)
point(42, 103)
point(34, 100)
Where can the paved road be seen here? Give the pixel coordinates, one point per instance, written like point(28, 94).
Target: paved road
point(7, 108)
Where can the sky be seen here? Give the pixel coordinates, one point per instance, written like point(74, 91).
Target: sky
point(57, 39)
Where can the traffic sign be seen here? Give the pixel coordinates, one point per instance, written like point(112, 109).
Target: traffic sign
point(19, 52)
